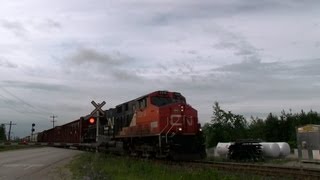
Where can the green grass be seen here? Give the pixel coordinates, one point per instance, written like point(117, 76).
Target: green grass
point(103, 166)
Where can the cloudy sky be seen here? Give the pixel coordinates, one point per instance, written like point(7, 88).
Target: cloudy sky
point(253, 57)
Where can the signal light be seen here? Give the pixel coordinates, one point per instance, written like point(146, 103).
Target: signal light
point(32, 129)
point(92, 120)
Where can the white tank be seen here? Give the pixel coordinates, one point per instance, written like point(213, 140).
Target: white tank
point(223, 148)
point(284, 149)
point(270, 149)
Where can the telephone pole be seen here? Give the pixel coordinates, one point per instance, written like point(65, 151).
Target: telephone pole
point(53, 116)
point(9, 133)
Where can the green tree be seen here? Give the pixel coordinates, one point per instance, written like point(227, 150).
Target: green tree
point(256, 128)
point(224, 127)
point(291, 122)
point(272, 128)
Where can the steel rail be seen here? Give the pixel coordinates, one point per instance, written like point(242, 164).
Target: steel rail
point(263, 170)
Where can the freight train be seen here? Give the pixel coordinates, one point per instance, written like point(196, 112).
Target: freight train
point(159, 124)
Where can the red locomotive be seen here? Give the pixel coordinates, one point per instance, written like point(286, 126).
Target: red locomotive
point(159, 124)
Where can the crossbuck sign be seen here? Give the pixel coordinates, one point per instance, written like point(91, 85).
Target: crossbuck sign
point(98, 108)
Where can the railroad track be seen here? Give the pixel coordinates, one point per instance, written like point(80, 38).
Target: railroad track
point(275, 171)
point(262, 170)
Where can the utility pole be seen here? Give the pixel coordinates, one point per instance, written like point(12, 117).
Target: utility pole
point(9, 133)
point(53, 116)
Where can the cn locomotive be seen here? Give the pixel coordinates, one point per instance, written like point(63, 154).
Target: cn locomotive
point(159, 124)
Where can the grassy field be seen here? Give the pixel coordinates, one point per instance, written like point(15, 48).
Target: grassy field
point(103, 166)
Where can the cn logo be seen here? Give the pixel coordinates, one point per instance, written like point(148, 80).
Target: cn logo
point(177, 119)
point(189, 120)
point(174, 120)
point(110, 122)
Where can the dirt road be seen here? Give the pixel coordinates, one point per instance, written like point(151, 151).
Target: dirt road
point(36, 164)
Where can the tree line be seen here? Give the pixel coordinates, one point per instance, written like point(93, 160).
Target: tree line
point(228, 127)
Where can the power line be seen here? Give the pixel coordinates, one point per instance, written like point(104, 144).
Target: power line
point(17, 97)
point(38, 110)
point(35, 111)
point(8, 101)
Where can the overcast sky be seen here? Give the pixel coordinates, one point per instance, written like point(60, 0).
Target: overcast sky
point(253, 57)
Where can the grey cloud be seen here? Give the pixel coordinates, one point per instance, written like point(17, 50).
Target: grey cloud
point(236, 43)
point(240, 48)
point(180, 67)
point(16, 27)
point(162, 67)
point(36, 85)
point(115, 65)
point(185, 68)
point(91, 56)
point(47, 25)
point(192, 52)
point(126, 75)
point(224, 45)
point(274, 80)
point(245, 52)
point(7, 64)
point(170, 13)
point(52, 24)
point(255, 81)
point(285, 70)
point(306, 68)
point(248, 66)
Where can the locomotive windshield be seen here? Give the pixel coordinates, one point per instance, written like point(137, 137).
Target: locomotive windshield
point(179, 98)
point(161, 101)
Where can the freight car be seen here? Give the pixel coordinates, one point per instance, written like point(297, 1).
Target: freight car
point(159, 124)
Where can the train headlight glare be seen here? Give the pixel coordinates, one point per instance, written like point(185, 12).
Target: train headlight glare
point(180, 129)
point(200, 129)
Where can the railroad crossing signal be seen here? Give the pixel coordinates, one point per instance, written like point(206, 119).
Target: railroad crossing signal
point(98, 108)
point(98, 112)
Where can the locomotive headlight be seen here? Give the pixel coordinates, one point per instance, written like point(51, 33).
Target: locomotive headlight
point(182, 108)
point(179, 129)
point(200, 129)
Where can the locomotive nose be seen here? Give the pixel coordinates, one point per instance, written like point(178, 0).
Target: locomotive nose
point(182, 118)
